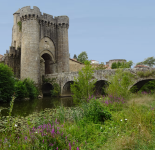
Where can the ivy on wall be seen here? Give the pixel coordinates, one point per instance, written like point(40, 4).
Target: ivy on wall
point(20, 26)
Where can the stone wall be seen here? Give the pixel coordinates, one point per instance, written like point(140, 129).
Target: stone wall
point(75, 65)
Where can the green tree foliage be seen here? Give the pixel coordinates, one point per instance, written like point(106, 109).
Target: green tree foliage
point(31, 88)
point(82, 87)
point(20, 90)
point(6, 83)
point(150, 61)
point(82, 57)
point(25, 88)
point(119, 84)
point(75, 57)
point(116, 65)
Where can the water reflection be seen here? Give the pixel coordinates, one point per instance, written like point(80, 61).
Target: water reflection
point(24, 108)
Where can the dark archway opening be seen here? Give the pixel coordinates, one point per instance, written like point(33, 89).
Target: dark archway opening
point(48, 60)
point(46, 89)
point(100, 87)
point(136, 87)
point(67, 88)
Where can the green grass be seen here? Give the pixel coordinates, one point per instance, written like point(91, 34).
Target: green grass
point(131, 127)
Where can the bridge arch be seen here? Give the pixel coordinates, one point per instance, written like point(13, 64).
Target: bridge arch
point(139, 84)
point(99, 87)
point(66, 91)
point(47, 63)
point(46, 88)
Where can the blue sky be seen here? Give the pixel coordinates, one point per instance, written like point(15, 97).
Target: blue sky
point(105, 29)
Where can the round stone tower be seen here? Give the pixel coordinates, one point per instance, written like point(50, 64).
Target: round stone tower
point(30, 59)
point(63, 50)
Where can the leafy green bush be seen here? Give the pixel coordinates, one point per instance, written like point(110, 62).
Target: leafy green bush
point(25, 88)
point(6, 83)
point(95, 112)
point(119, 84)
point(20, 90)
point(83, 86)
point(143, 74)
point(31, 88)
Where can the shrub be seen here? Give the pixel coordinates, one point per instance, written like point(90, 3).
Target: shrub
point(143, 74)
point(25, 88)
point(94, 111)
point(20, 90)
point(32, 90)
point(119, 84)
point(6, 83)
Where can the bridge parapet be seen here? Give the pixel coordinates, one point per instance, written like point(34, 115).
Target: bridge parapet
point(101, 75)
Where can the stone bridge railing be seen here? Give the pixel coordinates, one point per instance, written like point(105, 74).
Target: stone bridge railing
point(102, 76)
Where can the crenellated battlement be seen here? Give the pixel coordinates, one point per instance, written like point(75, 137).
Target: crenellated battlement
point(48, 20)
point(28, 13)
point(62, 20)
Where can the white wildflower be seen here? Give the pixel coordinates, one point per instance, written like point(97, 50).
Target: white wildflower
point(126, 119)
point(121, 120)
point(15, 125)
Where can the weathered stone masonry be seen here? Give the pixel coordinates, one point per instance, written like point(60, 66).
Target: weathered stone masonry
point(42, 43)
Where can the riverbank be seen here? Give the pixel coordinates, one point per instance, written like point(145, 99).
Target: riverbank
point(131, 126)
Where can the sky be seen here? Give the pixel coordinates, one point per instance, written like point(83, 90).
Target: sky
point(105, 29)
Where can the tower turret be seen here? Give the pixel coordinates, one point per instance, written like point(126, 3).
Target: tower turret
point(16, 33)
point(30, 59)
point(63, 49)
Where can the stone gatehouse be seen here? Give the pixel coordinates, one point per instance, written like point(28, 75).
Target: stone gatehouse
point(39, 44)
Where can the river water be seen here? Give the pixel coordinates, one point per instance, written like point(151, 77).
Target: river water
point(26, 107)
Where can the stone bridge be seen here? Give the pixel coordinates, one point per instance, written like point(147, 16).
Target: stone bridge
point(102, 76)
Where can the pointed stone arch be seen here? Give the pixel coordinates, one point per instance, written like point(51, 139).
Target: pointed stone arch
point(47, 45)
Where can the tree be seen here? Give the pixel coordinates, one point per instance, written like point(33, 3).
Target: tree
point(82, 57)
point(6, 83)
point(150, 61)
point(116, 65)
point(75, 57)
point(82, 88)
